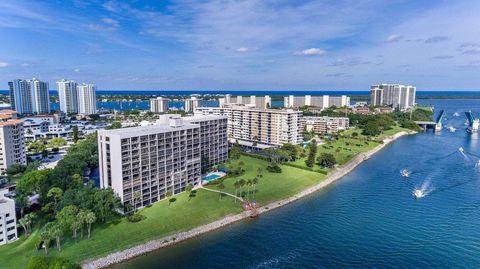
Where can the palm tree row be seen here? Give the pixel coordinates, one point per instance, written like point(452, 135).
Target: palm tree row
point(239, 184)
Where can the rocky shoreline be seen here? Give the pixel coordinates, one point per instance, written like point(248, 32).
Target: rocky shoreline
point(338, 173)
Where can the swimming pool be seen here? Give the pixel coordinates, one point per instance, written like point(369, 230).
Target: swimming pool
point(211, 177)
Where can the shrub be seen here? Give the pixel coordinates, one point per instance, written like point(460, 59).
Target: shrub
point(135, 218)
point(41, 262)
point(274, 168)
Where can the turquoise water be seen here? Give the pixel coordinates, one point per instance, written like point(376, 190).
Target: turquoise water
point(211, 177)
point(369, 219)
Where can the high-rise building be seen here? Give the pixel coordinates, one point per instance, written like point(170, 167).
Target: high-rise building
point(395, 95)
point(29, 96)
point(87, 99)
point(213, 139)
point(191, 103)
point(260, 102)
point(159, 105)
point(68, 96)
point(12, 144)
point(321, 101)
point(40, 96)
point(8, 221)
point(164, 157)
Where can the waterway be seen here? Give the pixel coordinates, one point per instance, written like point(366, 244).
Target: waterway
point(369, 219)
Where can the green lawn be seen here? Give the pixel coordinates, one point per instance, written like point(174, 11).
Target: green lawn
point(163, 219)
point(345, 148)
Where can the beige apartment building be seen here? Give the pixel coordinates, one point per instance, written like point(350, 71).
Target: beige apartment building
point(326, 125)
point(12, 144)
point(267, 126)
point(164, 157)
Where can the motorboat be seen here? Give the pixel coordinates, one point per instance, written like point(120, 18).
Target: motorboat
point(418, 194)
point(456, 114)
point(451, 129)
point(405, 173)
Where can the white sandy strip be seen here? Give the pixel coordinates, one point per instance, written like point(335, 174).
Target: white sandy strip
point(178, 237)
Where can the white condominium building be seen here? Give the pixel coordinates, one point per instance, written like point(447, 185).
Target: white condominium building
point(395, 95)
point(260, 102)
point(155, 159)
point(29, 96)
point(325, 125)
point(8, 221)
point(40, 96)
point(322, 101)
point(12, 144)
point(213, 139)
point(87, 99)
point(191, 104)
point(159, 105)
point(68, 96)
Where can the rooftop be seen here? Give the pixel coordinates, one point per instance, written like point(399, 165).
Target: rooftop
point(147, 130)
point(11, 122)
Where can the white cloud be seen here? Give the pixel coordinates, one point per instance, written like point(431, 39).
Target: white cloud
point(310, 52)
point(76, 70)
point(393, 38)
point(436, 39)
point(107, 24)
point(245, 49)
point(4, 64)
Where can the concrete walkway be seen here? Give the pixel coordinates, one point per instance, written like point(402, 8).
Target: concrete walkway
point(226, 193)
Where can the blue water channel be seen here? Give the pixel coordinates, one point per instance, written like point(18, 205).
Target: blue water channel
point(369, 219)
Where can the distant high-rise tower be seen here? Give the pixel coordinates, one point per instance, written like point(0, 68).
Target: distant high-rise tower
point(40, 97)
point(395, 95)
point(68, 96)
point(87, 100)
point(29, 96)
point(159, 105)
point(191, 103)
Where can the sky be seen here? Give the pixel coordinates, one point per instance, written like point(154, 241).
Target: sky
point(242, 45)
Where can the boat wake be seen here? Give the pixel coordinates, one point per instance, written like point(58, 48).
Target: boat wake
point(423, 190)
point(405, 173)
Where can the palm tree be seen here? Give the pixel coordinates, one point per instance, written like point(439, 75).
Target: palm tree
point(57, 233)
point(89, 219)
point(26, 222)
point(259, 172)
point(168, 194)
point(75, 226)
point(254, 182)
point(241, 183)
point(249, 183)
point(81, 218)
point(21, 201)
point(46, 235)
point(189, 189)
point(236, 185)
point(221, 187)
point(136, 197)
point(55, 193)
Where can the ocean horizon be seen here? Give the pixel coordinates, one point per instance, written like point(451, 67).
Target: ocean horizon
point(260, 92)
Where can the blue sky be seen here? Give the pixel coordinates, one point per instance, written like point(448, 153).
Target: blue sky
point(243, 45)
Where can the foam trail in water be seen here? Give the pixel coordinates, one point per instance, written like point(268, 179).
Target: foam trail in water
point(423, 190)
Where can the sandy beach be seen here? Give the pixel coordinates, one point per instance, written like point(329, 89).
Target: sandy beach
point(333, 176)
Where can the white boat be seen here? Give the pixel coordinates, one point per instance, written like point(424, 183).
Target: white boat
point(418, 194)
point(451, 129)
point(456, 114)
point(405, 173)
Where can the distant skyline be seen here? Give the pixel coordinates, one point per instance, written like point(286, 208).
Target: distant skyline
point(242, 45)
